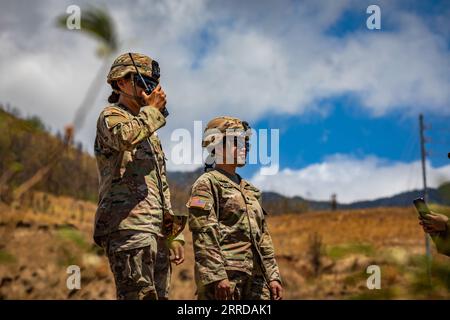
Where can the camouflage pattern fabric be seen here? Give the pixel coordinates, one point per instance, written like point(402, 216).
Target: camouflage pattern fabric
point(134, 272)
point(442, 241)
point(129, 155)
point(243, 287)
point(123, 240)
point(134, 208)
point(129, 240)
point(218, 127)
point(163, 266)
point(163, 269)
point(227, 224)
point(123, 65)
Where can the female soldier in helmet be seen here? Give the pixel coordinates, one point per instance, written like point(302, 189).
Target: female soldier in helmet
point(234, 254)
point(134, 217)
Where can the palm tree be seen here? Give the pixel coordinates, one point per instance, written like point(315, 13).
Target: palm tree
point(97, 23)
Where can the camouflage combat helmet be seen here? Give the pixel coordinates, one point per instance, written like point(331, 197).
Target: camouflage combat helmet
point(219, 127)
point(123, 65)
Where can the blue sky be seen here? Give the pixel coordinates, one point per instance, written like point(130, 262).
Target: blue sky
point(308, 139)
point(346, 99)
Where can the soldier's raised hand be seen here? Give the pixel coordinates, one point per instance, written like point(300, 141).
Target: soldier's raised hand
point(156, 99)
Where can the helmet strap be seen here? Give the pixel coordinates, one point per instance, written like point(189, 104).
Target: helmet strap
point(133, 96)
point(136, 98)
point(209, 162)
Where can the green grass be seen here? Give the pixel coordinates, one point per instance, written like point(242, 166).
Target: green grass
point(355, 278)
point(441, 272)
point(342, 250)
point(6, 257)
point(440, 278)
point(75, 236)
point(67, 257)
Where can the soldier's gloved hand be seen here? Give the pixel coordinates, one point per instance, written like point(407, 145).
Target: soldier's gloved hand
point(176, 252)
point(156, 99)
point(276, 290)
point(223, 290)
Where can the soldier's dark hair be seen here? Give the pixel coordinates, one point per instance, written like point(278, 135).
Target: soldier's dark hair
point(209, 161)
point(114, 96)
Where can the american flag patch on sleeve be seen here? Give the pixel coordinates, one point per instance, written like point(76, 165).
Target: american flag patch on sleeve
point(197, 202)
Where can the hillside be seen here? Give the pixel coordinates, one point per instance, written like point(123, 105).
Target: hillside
point(26, 146)
point(439, 195)
point(276, 203)
point(321, 256)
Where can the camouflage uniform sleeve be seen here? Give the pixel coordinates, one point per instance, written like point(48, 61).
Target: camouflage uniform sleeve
point(442, 241)
point(268, 255)
point(166, 192)
point(122, 133)
point(180, 239)
point(209, 261)
point(167, 200)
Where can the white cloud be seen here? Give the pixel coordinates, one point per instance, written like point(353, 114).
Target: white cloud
point(352, 179)
point(260, 57)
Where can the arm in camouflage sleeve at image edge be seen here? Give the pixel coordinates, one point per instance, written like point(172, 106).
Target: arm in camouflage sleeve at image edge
point(163, 174)
point(442, 241)
point(209, 262)
point(268, 255)
point(123, 134)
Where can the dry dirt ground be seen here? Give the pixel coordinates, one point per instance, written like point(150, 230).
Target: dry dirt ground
point(322, 255)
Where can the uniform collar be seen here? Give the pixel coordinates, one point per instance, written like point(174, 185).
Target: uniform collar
point(221, 177)
point(123, 107)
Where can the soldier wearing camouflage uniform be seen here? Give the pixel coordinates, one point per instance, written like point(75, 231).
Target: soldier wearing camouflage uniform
point(441, 236)
point(234, 254)
point(134, 221)
point(437, 225)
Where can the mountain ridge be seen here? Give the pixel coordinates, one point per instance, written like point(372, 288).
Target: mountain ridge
point(26, 143)
point(275, 202)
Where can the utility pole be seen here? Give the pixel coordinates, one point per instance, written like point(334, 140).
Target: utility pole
point(333, 202)
point(425, 193)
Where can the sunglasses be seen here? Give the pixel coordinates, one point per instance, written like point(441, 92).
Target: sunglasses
point(239, 142)
point(150, 83)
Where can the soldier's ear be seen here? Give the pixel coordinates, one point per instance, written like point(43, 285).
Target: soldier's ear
point(121, 83)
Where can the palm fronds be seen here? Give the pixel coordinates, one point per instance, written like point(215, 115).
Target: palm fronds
point(97, 23)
